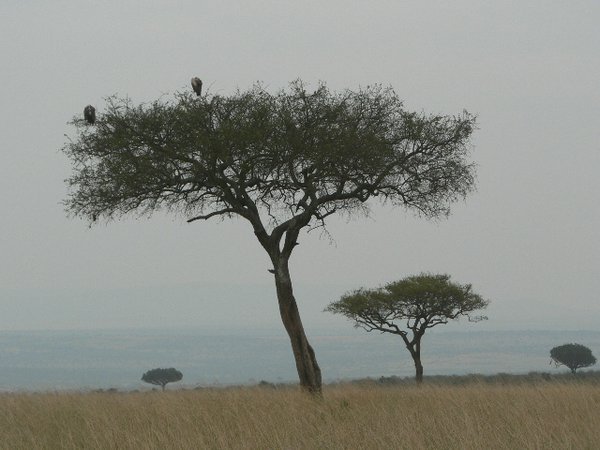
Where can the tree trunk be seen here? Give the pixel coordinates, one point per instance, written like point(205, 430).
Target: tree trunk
point(304, 355)
point(418, 369)
point(415, 352)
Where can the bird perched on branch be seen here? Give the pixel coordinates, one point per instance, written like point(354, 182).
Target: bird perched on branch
point(197, 86)
point(89, 114)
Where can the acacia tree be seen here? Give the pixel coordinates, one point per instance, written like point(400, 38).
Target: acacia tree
point(161, 377)
point(574, 356)
point(284, 162)
point(411, 305)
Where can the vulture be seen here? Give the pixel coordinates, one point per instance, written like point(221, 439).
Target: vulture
point(197, 86)
point(89, 114)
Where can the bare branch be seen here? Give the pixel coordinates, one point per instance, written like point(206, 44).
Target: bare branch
point(226, 211)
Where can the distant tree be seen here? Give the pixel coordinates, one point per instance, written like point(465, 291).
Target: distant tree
point(573, 356)
point(283, 162)
point(415, 303)
point(161, 377)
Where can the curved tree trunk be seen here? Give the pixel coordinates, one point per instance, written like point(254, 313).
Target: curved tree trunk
point(415, 352)
point(304, 355)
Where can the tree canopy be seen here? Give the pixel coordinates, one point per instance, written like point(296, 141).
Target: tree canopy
point(161, 377)
point(415, 303)
point(293, 154)
point(283, 161)
point(410, 305)
point(573, 356)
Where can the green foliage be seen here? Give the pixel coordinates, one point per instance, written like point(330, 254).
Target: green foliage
point(412, 304)
point(420, 302)
point(573, 356)
point(161, 377)
point(292, 153)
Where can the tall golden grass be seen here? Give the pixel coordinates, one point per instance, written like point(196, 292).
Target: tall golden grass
point(476, 416)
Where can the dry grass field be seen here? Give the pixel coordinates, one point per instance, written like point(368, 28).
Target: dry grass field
point(552, 415)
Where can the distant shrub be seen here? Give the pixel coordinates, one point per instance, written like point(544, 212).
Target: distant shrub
point(469, 379)
point(574, 356)
point(161, 377)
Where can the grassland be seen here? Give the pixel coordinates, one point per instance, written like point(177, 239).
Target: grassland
point(541, 415)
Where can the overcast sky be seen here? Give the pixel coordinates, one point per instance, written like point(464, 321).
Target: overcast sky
point(528, 239)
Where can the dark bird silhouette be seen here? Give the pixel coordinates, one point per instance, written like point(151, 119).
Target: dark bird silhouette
point(89, 114)
point(197, 86)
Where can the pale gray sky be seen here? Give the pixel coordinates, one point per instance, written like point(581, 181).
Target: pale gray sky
point(528, 239)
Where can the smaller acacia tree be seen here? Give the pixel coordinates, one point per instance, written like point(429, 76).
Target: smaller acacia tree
point(416, 303)
point(161, 377)
point(574, 356)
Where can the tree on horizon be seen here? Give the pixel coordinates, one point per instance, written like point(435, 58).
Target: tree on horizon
point(283, 162)
point(573, 356)
point(162, 377)
point(409, 307)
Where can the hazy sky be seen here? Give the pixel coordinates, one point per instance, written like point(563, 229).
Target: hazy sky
point(528, 239)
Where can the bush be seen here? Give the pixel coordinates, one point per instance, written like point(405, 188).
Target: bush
point(161, 377)
point(574, 356)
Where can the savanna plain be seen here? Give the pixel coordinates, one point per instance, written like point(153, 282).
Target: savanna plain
point(541, 415)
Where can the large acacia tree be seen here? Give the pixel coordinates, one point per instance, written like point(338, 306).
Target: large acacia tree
point(282, 161)
point(409, 307)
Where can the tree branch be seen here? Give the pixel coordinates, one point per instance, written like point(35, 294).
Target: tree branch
point(226, 211)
